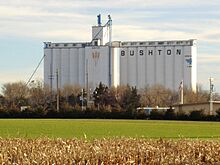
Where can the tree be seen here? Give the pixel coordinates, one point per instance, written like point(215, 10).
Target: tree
point(39, 96)
point(99, 94)
point(16, 94)
point(195, 96)
point(71, 94)
point(104, 98)
point(2, 101)
point(170, 114)
point(197, 115)
point(158, 95)
point(69, 90)
point(218, 114)
point(130, 100)
point(112, 100)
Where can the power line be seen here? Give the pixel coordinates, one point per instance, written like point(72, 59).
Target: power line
point(35, 70)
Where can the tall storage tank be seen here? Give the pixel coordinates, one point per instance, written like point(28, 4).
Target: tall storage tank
point(194, 65)
point(65, 67)
point(169, 67)
point(179, 65)
point(150, 62)
point(74, 65)
point(160, 65)
point(123, 66)
point(97, 61)
point(141, 67)
point(82, 66)
point(47, 66)
point(56, 66)
point(116, 67)
point(187, 66)
point(132, 66)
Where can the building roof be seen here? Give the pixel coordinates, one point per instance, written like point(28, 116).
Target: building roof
point(121, 43)
point(208, 102)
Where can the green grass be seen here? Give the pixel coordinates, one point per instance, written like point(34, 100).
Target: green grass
point(69, 128)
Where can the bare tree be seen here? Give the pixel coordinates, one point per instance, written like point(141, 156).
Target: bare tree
point(16, 94)
point(69, 90)
point(157, 95)
point(191, 96)
point(39, 95)
point(70, 96)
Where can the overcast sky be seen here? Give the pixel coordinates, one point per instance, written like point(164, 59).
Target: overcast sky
point(26, 24)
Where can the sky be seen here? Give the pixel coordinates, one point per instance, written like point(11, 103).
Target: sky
point(26, 24)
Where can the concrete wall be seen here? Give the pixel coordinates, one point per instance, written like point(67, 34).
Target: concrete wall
point(68, 61)
point(77, 65)
point(97, 61)
point(135, 63)
point(187, 108)
point(166, 63)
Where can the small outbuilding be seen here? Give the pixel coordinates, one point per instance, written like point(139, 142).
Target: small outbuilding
point(208, 108)
point(148, 110)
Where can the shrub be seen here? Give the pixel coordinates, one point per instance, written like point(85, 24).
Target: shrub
point(156, 115)
point(196, 115)
point(170, 114)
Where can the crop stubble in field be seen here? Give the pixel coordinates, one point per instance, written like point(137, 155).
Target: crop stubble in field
point(109, 151)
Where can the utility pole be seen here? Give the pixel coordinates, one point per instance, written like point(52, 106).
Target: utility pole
point(82, 98)
point(211, 95)
point(87, 81)
point(58, 92)
point(181, 92)
point(110, 47)
point(51, 90)
point(51, 76)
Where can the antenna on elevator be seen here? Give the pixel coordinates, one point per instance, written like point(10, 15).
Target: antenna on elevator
point(99, 20)
point(109, 18)
point(110, 28)
point(110, 51)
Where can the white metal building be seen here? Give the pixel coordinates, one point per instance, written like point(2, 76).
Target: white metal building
point(114, 63)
